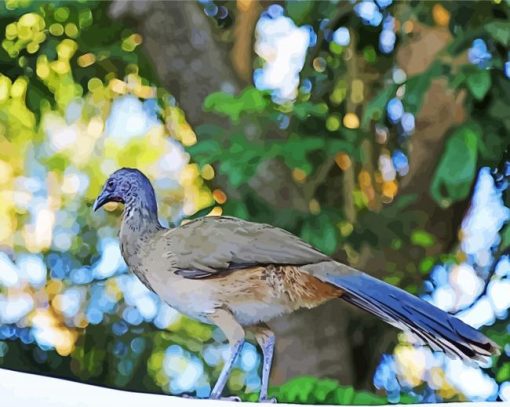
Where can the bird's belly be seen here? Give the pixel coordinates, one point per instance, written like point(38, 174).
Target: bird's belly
point(253, 312)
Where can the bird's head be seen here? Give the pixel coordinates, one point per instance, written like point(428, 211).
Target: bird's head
point(127, 185)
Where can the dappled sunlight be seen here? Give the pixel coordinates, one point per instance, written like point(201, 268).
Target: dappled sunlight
point(48, 187)
point(457, 290)
point(49, 332)
point(374, 130)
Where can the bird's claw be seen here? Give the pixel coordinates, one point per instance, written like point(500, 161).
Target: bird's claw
point(271, 400)
point(231, 398)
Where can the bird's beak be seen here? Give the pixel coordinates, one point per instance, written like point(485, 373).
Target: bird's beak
point(103, 198)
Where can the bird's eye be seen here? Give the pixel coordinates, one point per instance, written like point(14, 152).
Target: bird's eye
point(110, 184)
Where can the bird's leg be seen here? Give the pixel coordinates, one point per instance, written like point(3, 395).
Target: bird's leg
point(235, 336)
point(266, 340)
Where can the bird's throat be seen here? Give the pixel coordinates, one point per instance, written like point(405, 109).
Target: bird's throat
point(139, 223)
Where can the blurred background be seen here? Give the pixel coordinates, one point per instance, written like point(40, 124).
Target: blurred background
point(375, 130)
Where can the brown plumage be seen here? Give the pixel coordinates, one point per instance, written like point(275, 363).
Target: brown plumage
point(287, 286)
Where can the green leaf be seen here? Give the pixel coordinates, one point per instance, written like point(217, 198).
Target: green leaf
point(422, 238)
point(345, 395)
point(206, 151)
point(296, 151)
point(202, 212)
point(417, 86)
point(503, 373)
point(505, 237)
point(209, 131)
point(37, 96)
point(407, 399)
point(299, 10)
point(297, 390)
point(367, 399)
point(334, 146)
point(500, 31)
point(320, 232)
point(479, 83)
point(303, 110)
point(375, 108)
point(456, 170)
point(57, 162)
point(324, 388)
point(426, 264)
point(251, 100)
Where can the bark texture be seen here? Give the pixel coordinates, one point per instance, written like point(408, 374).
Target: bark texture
point(178, 39)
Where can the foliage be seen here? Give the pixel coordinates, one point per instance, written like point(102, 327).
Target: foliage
point(457, 167)
point(310, 390)
point(64, 70)
point(344, 140)
point(353, 92)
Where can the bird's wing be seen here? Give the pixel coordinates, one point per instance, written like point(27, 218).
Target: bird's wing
point(214, 244)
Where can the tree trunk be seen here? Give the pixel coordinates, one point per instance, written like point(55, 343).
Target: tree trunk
point(179, 41)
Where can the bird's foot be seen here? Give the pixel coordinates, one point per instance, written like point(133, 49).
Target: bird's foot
point(271, 400)
point(228, 398)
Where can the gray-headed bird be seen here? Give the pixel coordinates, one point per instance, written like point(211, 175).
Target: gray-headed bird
point(238, 275)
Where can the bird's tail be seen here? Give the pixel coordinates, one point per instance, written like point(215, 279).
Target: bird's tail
point(438, 329)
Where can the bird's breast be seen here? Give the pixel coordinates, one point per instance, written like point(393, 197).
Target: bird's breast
point(193, 298)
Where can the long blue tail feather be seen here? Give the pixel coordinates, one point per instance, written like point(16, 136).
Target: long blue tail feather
point(440, 330)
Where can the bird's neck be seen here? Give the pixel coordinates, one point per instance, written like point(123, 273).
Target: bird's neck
point(139, 223)
point(140, 218)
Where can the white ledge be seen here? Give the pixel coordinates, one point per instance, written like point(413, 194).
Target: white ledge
point(23, 389)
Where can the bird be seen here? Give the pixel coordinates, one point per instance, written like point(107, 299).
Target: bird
point(238, 275)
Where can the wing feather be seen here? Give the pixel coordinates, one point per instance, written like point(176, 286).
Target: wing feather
point(215, 244)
